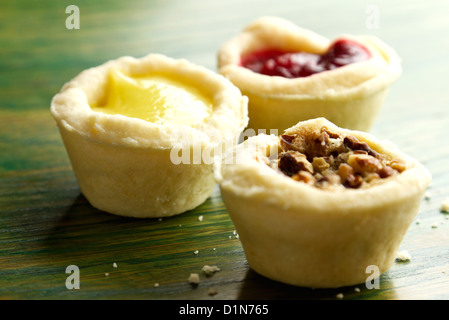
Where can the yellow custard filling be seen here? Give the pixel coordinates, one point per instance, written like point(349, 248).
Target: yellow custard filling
point(157, 98)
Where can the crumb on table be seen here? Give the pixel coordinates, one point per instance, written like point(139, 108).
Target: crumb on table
point(194, 278)
point(403, 255)
point(445, 206)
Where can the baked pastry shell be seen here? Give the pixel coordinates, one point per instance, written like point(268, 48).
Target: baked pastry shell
point(350, 96)
point(127, 166)
point(300, 235)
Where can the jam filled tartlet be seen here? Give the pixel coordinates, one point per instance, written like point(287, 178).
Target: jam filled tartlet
point(291, 74)
point(141, 134)
point(320, 206)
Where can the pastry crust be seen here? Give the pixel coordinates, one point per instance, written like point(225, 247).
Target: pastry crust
point(131, 167)
point(302, 235)
point(350, 96)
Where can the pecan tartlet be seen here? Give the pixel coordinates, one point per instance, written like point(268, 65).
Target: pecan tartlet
point(291, 74)
point(319, 204)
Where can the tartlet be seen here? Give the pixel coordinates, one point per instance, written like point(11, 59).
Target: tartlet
point(304, 222)
point(349, 96)
point(131, 163)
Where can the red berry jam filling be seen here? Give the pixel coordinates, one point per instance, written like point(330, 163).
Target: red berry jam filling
point(272, 62)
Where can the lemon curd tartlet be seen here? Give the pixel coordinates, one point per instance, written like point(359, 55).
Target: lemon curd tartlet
point(141, 134)
point(291, 74)
point(320, 206)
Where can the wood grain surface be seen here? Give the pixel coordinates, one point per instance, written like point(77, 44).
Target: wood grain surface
point(46, 224)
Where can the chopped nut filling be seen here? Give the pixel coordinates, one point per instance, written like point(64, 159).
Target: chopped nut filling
point(325, 160)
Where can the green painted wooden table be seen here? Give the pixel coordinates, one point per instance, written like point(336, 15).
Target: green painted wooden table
point(47, 225)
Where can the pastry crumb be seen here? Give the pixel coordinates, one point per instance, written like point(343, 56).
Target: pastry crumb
point(195, 252)
point(212, 292)
point(445, 206)
point(210, 270)
point(234, 234)
point(156, 285)
point(114, 265)
point(427, 195)
point(403, 255)
point(194, 278)
point(106, 274)
point(339, 296)
point(357, 289)
point(434, 225)
point(200, 218)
